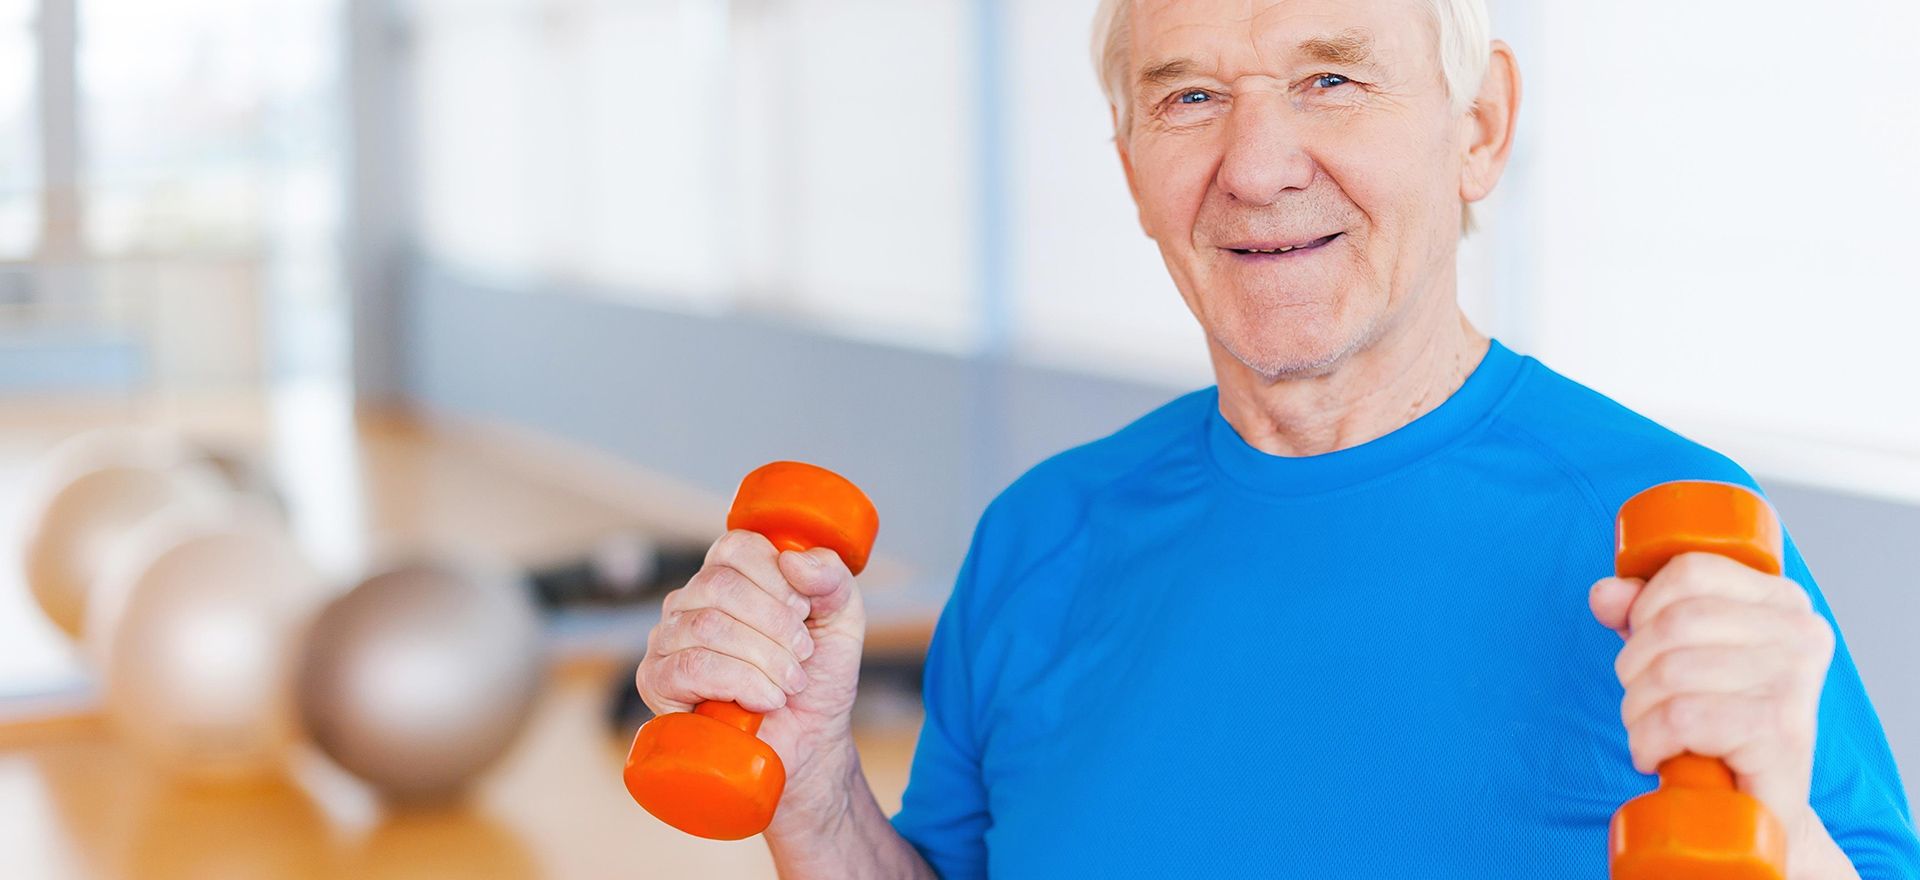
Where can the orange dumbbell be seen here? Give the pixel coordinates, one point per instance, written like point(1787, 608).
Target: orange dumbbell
point(704, 772)
point(1696, 826)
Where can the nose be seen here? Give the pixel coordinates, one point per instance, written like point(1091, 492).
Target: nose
point(1266, 152)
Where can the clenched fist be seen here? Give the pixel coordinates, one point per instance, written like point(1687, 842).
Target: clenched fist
point(1722, 661)
point(780, 634)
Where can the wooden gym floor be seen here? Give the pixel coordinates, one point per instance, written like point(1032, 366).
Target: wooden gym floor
point(74, 804)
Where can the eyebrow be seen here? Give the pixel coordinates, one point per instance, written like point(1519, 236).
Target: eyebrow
point(1352, 47)
point(1167, 72)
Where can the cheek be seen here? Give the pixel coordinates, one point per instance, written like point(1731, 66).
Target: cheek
point(1173, 176)
point(1397, 176)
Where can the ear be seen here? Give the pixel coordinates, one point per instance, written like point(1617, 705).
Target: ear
point(1126, 166)
point(1490, 125)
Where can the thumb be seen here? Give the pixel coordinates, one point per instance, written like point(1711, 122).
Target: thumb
point(822, 578)
point(1611, 599)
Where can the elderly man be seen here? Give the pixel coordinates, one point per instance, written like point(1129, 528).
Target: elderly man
point(1335, 617)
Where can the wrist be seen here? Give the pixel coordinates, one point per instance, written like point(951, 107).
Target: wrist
point(1812, 853)
point(820, 797)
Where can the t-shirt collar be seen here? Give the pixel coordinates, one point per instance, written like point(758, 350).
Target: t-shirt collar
point(1452, 420)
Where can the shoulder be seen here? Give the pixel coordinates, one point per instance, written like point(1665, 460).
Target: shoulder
point(1045, 508)
point(1064, 482)
point(1611, 450)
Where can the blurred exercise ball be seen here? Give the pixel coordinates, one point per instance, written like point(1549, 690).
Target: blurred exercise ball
point(196, 626)
point(90, 490)
point(418, 678)
point(89, 450)
point(75, 527)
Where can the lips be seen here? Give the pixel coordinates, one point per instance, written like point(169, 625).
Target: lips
point(1273, 248)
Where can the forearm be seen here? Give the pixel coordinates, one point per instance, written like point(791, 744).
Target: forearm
point(1812, 853)
point(844, 836)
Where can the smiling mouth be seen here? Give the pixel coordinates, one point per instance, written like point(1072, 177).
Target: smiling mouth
point(1276, 251)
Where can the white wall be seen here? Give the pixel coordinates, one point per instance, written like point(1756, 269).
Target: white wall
point(1723, 199)
point(1089, 289)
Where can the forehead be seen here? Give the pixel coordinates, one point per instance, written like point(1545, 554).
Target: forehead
point(1249, 35)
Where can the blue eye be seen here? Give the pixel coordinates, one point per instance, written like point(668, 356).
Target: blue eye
point(1195, 93)
point(1321, 80)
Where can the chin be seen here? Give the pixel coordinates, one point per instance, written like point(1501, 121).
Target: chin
point(1279, 348)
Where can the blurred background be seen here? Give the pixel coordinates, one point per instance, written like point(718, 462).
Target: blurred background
point(432, 303)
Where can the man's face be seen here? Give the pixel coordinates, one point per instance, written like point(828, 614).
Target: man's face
point(1324, 124)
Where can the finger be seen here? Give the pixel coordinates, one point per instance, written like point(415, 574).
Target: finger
point(822, 577)
point(1712, 725)
point(1702, 621)
point(659, 703)
point(697, 675)
point(1708, 574)
point(751, 554)
point(716, 630)
point(730, 591)
point(1610, 598)
point(1710, 670)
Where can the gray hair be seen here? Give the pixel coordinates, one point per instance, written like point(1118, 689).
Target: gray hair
point(1465, 48)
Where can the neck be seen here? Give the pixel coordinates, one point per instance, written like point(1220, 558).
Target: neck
point(1374, 391)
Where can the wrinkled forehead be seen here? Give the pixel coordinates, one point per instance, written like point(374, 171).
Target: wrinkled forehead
point(1237, 37)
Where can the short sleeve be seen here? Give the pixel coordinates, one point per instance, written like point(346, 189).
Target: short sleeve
point(1857, 790)
point(944, 812)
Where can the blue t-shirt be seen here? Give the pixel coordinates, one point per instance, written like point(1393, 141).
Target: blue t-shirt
point(1169, 654)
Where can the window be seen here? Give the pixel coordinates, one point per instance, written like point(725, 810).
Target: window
point(19, 137)
point(575, 142)
point(208, 123)
point(811, 160)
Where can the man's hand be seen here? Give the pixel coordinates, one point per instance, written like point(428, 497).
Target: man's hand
point(780, 634)
point(1725, 662)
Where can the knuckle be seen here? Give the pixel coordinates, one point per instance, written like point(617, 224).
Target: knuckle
point(1683, 569)
point(739, 544)
point(768, 617)
point(721, 580)
point(796, 608)
point(1666, 628)
point(728, 584)
point(693, 665)
point(707, 625)
point(1677, 714)
point(664, 640)
point(1693, 614)
point(1665, 672)
point(1693, 718)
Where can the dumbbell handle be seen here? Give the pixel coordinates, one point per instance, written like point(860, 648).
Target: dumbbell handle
point(1696, 517)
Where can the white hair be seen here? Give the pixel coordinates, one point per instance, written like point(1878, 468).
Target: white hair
point(1465, 48)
